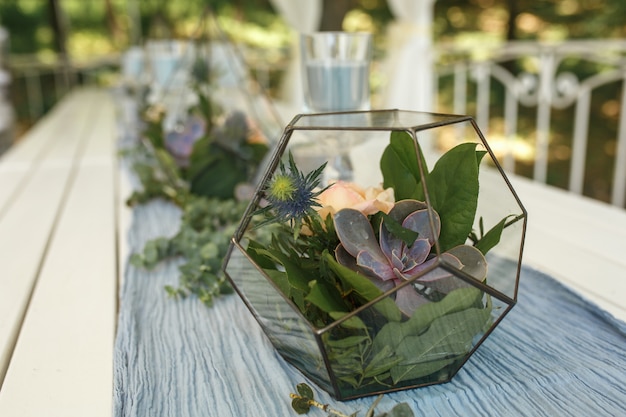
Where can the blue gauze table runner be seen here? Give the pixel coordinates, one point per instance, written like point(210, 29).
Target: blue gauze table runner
point(554, 355)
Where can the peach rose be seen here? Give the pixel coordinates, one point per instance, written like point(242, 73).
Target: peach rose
point(343, 194)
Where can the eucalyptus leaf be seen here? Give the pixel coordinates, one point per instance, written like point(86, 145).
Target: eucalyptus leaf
point(209, 251)
point(305, 391)
point(300, 405)
point(399, 410)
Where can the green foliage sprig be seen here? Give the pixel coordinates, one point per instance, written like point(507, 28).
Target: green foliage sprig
point(220, 160)
point(305, 399)
point(202, 240)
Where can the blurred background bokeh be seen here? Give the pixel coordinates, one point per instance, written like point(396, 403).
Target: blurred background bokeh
point(49, 46)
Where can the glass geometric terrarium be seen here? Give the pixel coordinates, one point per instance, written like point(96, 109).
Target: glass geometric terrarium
point(390, 277)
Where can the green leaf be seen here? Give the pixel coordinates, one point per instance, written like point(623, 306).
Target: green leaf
point(394, 227)
point(364, 288)
point(400, 410)
point(399, 166)
point(262, 261)
point(280, 279)
point(298, 278)
point(168, 165)
point(392, 334)
point(448, 339)
point(326, 297)
point(353, 322)
point(492, 237)
point(305, 391)
point(382, 362)
point(400, 335)
point(453, 192)
point(205, 182)
point(150, 253)
point(300, 405)
point(209, 251)
point(347, 342)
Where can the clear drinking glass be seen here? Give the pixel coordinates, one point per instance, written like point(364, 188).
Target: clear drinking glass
point(336, 71)
point(335, 74)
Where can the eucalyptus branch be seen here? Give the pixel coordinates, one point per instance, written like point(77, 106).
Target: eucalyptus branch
point(304, 400)
point(312, 403)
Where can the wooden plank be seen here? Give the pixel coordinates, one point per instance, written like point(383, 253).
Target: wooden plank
point(29, 221)
point(19, 161)
point(61, 365)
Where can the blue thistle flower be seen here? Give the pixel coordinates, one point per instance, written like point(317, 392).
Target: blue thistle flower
point(291, 195)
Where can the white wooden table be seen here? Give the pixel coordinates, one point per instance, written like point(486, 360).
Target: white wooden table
point(62, 247)
point(58, 262)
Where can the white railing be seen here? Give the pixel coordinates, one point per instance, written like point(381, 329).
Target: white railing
point(541, 77)
point(530, 76)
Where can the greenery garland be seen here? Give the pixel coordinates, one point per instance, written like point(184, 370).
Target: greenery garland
point(227, 147)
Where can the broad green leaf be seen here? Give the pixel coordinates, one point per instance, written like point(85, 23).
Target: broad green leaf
point(453, 192)
point(399, 166)
point(298, 278)
point(326, 297)
point(262, 261)
point(407, 372)
point(217, 179)
point(492, 237)
point(447, 339)
point(392, 334)
point(364, 288)
point(382, 362)
point(280, 279)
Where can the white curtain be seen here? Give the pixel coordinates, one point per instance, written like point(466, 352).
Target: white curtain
point(409, 63)
point(303, 16)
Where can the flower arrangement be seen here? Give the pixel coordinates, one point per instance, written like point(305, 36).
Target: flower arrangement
point(380, 287)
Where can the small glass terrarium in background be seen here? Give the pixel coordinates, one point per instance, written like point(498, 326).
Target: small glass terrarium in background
point(393, 279)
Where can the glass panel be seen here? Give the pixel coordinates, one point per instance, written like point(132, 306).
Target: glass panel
point(382, 119)
point(288, 331)
point(387, 347)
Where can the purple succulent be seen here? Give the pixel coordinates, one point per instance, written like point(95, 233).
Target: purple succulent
point(389, 262)
point(180, 142)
